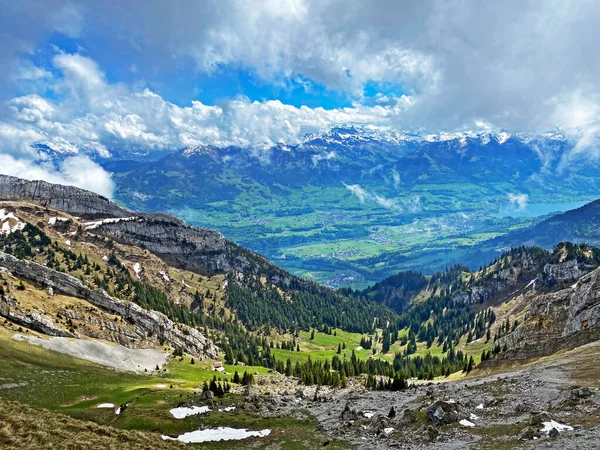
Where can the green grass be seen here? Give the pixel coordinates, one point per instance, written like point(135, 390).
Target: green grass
point(75, 387)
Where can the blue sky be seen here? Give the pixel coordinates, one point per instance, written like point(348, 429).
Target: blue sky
point(182, 83)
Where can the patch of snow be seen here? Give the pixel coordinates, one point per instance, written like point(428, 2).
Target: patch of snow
point(466, 423)
point(218, 434)
point(388, 431)
point(183, 412)
point(118, 411)
point(227, 409)
point(105, 258)
point(451, 401)
point(137, 268)
point(68, 242)
point(359, 347)
point(164, 275)
point(502, 137)
point(6, 228)
point(480, 406)
point(53, 220)
point(161, 386)
point(553, 424)
point(106, 405)
point(531, 282)
point(97, 223)
point(473, 417)
point(368, 414)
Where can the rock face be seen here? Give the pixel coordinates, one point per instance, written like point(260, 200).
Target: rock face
point(201, 250)
point(564, 319)
point(35, 321)
point(177, 335)
point(568, 270)
point(70, 199)
point(527, 275)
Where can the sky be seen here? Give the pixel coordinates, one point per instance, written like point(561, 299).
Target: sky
point(155, 75)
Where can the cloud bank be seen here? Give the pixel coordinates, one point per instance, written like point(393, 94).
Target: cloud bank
point(519, 65)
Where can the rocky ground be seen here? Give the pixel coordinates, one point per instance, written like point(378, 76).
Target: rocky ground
point(506, 409)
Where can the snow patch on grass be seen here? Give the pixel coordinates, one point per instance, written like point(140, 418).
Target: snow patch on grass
point(466, 423)
point(218, 434)
point(227, 409)
point(183, 412)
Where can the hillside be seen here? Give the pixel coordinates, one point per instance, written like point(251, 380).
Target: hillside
point(169, 244)
point(577, 225)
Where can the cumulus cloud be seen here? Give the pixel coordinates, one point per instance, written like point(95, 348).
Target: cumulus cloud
point(78, 171)
point(509, 62)
point(93, 114)
point(518, 201)
point(521, 65)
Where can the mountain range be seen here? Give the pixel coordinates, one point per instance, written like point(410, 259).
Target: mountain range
point(354, 205)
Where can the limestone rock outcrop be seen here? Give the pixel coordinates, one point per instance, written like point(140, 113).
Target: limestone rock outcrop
point(177, 335)
point(564, 319)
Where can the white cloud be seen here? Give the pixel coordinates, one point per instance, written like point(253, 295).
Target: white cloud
point(412, 205)
point(358, 191)
point(96, 115)
point(77, 171)
point(519, 201)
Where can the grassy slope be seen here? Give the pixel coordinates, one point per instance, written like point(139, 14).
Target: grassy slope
point(75, 387)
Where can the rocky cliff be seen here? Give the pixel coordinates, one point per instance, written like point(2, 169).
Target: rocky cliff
point(201, 250)
point(564, 319)
point(152, 322)
point(70, 199)
point(526, 275)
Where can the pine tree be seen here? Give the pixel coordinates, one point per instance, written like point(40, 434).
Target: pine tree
point(471, 364)
point(312, 334)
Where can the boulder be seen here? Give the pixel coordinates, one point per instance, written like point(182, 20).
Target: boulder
point(580, 394)
point(528, 434)
point(442, 413)
point(207, 395)
point(538, 418)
